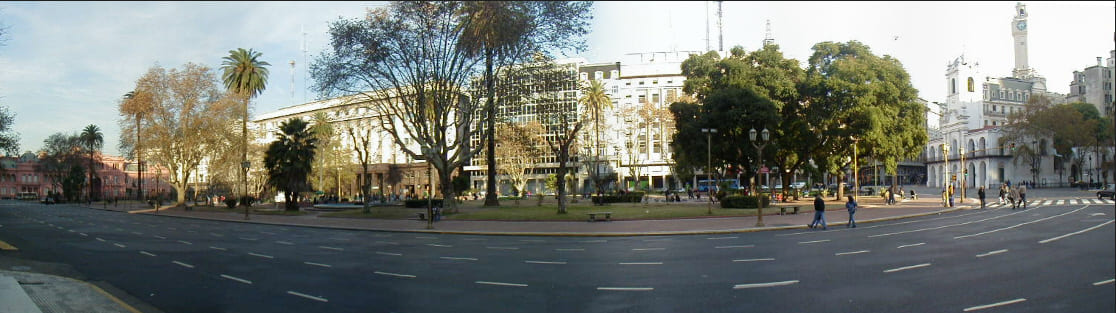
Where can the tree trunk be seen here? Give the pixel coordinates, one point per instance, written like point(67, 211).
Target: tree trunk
point(490, 198)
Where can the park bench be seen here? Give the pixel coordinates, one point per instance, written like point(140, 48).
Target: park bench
point(593, 216)
point(783, 210)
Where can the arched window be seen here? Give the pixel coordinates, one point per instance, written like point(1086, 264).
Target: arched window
point(952, 86)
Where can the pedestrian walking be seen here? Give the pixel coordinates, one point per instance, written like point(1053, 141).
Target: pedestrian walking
point(950, 195)
point(980, 193)
point(1023, 195)
point(891, 195)
point(819, 213)
point(1003, 193)
point(1013, 195)
point(851, 206)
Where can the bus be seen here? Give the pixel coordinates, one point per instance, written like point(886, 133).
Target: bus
point(28, 196)
point(704, 184)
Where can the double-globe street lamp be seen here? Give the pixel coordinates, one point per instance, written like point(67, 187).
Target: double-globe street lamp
point(709, 162)
point(759, 199)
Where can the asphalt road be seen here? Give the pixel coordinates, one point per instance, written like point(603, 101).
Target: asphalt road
point(1052, 257)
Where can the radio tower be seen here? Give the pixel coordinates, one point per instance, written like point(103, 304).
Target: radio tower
point(292, 82)
point(305, 65)
point(720, 29)
point(768, 38)
point(707, 48)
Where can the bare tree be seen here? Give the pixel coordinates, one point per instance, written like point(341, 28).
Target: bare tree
point(517, 151)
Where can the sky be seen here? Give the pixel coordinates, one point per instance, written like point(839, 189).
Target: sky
point(65, 65)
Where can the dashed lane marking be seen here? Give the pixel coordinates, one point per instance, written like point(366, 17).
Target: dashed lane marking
point(852, 252)
point(735, 247)
point(218, 248)
point(185, 242)
point(814, 241)
point(285, 243)
point(1103, 282)
point(906, 268)
point(911, 245)
point(458, 258)
point(1077, 232)
point(481, 282)
point(438, 245)
point(261, 255)
point(119, 245)
point(626, 288)
point(545, 262)
point(389, 253)
point(991, 253)
point(295, 293)
point(331, 248)
point(183, 264)
point(763, 285)
point(393, 274)
point(987, 306)
point(574, 249)
point(648, 249)
point(641, 263)
point(99, 239)
point(236, 279)
point(503, 248)
point(388, 243)
point(754, 260)
point(147, 253)
point(160, 237)
point(1020, 224)
point(317, 264)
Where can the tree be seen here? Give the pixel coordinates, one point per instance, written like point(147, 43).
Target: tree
point(289, 160)
point(596, 100)
point(559, 116)
point(58, 156)
point(245, 75)
point(328, 155)
point(91, 140)
point(188, 120)
point(132, 108)
point(367, 143)
point(505, 32)
point(1068, 127)
point(517, 152)
point(404, 64)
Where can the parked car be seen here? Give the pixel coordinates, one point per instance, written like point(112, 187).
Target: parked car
point(1109, 191)
point(47, 200)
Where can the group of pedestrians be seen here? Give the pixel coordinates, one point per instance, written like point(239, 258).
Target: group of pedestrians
point(819, 213)
point(1017, 196)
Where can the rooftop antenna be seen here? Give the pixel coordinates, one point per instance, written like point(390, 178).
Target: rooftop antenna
point(720, 28)
point(707, 48)
point(292, 82)
point(305, 65)
point(768, 38)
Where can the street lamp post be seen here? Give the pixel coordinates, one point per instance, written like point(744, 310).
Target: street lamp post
point(856, 172)
point(1035, 162)
point(759, 201)
point(964, 174)
point(244, 169)
point(709, 161)
point(945, 175)
point(430, 181)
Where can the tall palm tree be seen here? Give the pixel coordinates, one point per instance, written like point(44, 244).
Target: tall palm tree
point(92, 140)
point(289, 160)
point(492, 29)
point(594, 97)
point(246, 75)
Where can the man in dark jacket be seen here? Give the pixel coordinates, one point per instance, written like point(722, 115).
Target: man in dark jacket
point(819, 213)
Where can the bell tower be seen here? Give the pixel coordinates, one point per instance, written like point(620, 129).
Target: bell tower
point(1019, 33)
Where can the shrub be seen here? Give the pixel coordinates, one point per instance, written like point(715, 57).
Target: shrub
point(230, 202)
point(630, 197)
point(742, 202)
point(421, 203)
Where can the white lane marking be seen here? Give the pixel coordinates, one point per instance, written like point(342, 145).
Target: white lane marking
point(331, 248)
point(440, 246)
point(754, 260)
point(574, 249)
point(1097, 214)
point(249, 239)
point(261, 255)
point(986, 306)
point(237, 279)
point(626, 288)
point(734, 247)
point(160, 237)
point(99, 239)
point(137, 233)
point(906, 268)
point(499, 284)
point(532, 240)
point(762, 285)
point(216, 235)
point(815, 241)
point(545, 262)
point(853, 252)
point(186, 242)
point(641, 263)
point(1103, 282)
point(910, 245)
point(83, 234)
point(387, 242)
point(503, 248)
point(458, 258)
point(183, 264)
point(1077, 232)
point(476, 239)
point(599, 240)
point(295, 293)
point(944, 226)
point(648, 249)
point(339, 239)
point(218, 248)
point(389, 253)
point(285, 243)
point(146, 253)
point(119, 245)
point(394, 274)
point(317, 264)
point(1020, 224)
point(1059, 202)
point(719, 238)
point(991, 253)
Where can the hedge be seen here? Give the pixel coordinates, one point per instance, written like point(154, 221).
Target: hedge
point(741, 202)
point(632, 197)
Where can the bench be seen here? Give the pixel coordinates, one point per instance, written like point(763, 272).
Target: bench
point(783, 210)
point(607, 216)
point(421, 216)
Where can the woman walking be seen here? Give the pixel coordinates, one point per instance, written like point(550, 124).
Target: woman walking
point(851, 206)
point(819, 213)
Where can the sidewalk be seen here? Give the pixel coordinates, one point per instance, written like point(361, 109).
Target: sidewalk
point(871, 211)
point(26, 292)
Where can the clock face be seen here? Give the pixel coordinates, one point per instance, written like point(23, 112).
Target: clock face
point(1022, 25)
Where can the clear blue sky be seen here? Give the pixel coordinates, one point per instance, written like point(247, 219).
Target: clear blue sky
point(65, 65)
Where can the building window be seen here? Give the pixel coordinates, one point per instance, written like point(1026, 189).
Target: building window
point(972, 85)
point(598, 75)
point(952, 86)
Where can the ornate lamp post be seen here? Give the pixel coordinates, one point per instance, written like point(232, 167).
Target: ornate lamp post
point(964, 175)
point(709, 161)
point(945, 175)
point(759, 201)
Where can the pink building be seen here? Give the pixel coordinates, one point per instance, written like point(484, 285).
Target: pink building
point(117, 178)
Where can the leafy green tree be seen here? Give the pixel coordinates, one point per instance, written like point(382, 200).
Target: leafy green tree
point(9, 139)
point(506, 32)
point(244, 74)
point(596, 101)
point(91, 139)
point(58, 156)
point(1067, 126)
point(289, 160)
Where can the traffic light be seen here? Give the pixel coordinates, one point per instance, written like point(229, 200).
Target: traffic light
point(1013, 146)
point(966, 172)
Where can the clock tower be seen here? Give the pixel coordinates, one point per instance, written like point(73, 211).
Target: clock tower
point(1019, 33)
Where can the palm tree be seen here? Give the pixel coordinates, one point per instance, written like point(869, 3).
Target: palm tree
point(92, 140)
point(597, 100)
point(289, 160)
point(491, 28)
point(245, 75)
point(133, 104)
